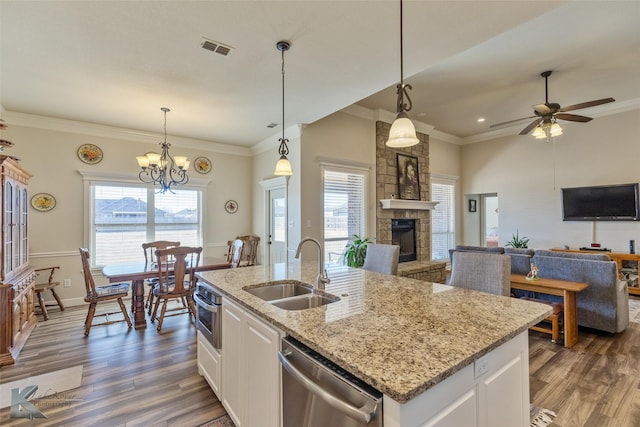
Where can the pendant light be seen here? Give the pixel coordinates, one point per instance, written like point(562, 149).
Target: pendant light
point(402, 133)
point(163, 169)
point(283, 167)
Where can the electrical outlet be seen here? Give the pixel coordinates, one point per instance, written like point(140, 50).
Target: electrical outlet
point(481, 366)
point(66, 283)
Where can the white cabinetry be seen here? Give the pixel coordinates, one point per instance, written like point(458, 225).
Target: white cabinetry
point(492, 392)
point(250, 370)
point(209, 364)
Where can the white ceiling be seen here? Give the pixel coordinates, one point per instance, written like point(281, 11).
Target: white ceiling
point(116, 63)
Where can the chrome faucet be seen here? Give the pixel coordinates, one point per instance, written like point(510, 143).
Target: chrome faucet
point(322, 278)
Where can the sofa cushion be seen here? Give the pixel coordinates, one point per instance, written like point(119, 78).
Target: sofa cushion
point(573, 255)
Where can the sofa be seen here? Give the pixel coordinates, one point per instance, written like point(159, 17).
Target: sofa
point(604, 305)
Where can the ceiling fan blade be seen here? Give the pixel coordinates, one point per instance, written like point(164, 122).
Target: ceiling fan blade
point(510, 121)
point(573, 117)
point(587, 104)
point(531, 126)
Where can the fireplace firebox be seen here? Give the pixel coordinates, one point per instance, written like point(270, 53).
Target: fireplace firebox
point(403, 234)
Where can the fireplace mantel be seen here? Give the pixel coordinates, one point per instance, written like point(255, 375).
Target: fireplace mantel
point(419, 205)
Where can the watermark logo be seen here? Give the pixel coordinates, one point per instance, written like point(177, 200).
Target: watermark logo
point(23, 402)
point(20, 405)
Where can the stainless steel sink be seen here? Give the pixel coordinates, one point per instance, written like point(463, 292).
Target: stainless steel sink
point(303, 302)
point(291, 295)
point(279, 290)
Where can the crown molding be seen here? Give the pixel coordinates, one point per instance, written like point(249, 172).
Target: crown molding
point(92, 129)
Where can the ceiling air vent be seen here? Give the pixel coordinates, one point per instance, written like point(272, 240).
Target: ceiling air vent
point(216, 47)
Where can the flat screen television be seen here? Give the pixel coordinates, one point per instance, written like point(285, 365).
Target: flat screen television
point(601, 203)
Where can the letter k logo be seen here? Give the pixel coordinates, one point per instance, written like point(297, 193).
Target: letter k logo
point(21, 407)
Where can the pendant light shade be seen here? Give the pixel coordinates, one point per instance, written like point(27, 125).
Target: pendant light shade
point(403, 132)
point(283, 167)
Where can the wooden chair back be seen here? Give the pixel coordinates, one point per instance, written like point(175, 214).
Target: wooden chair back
point(180, 278)
point(250, 249)
point(150, 249)
point(89, 283)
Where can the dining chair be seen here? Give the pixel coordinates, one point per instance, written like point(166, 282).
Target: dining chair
point(484, 272)
point(382, 258)
point(176, 282)
point(96, 294)
point(250, 249)
point(50, 285)
point(149, 249)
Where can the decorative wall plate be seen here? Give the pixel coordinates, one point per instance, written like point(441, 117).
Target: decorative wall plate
point(202, 165)
point(43, 202)
point(90, 154)
point(231, 206)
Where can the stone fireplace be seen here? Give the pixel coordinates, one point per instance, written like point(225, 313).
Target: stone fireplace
point(387, 188)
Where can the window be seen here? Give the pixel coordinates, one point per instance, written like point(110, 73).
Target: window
point(344, 209)
point(123, 216)
point(443, 219)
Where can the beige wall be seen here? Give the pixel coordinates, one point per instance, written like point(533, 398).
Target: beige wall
point(50, 155)
point(528, 175)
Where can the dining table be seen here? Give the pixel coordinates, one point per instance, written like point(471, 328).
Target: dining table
point(138, 272)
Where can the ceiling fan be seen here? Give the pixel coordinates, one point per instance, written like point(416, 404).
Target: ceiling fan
point(547, 113)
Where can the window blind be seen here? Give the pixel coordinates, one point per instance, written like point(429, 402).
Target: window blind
point(442, 219)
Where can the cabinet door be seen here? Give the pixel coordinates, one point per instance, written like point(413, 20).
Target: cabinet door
point(209, 365)
point(233, 377)
point(262, 343)
point(8, 227)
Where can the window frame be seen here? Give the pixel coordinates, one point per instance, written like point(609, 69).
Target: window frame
point(346, 169)
point(452, 181)
point(91, 180)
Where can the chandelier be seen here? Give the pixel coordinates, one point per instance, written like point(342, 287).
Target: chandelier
point(402, 133)
point(163, 169)
point(283, 167)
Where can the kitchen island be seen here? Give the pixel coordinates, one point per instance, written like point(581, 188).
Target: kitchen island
point(414, 341)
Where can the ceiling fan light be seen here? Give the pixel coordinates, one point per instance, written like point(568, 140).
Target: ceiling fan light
point(283, 167)
point(402, 133)
point(556, 130)
point(539, 133)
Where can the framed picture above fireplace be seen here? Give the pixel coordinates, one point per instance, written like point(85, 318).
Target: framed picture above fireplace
point(408, 182)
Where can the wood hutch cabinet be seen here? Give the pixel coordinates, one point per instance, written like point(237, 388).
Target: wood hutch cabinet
point(17, 279)
point(627, 266)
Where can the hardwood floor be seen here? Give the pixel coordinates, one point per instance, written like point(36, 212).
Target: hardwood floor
point(134, 378)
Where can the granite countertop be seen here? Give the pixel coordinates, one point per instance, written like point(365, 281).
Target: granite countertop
point(400, 335)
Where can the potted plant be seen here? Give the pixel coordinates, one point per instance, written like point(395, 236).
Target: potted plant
point(517, 241)
point(356, 251)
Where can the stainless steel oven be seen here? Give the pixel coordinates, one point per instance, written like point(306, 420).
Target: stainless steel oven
point(209, 314)
point(318, 393)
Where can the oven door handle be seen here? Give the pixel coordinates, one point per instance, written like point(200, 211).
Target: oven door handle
point(364, 414)
point(203, 303)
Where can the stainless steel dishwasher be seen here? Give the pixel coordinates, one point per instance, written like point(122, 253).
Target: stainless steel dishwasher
point(318, 393)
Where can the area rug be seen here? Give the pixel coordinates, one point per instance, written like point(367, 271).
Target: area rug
point(540, 417)
point(223, 421)
point(634, 310)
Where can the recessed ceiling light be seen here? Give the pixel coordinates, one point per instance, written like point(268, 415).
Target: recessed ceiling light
point(481, 119)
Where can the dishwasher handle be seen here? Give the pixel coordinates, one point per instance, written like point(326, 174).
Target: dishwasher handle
point(363, 414)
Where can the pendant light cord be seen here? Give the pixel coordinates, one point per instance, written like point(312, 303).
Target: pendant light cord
point(282, 94)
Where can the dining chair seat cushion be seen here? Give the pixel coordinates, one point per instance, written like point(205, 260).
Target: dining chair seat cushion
point(113, 289)
point(170, 289)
